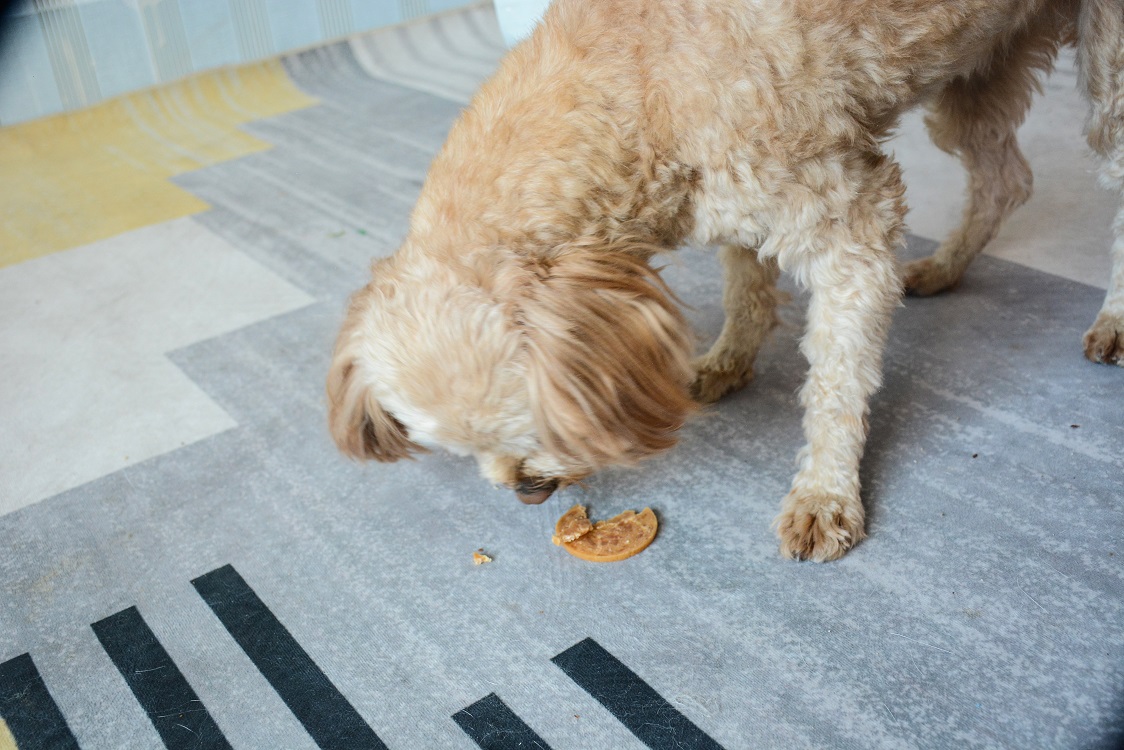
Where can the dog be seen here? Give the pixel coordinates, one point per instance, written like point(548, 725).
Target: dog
point(522, 322)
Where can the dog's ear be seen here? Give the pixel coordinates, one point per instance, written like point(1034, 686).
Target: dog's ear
point(609, 356)
point(360, 426)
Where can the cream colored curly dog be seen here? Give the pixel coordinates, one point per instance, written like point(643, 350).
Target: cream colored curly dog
point(521, 322)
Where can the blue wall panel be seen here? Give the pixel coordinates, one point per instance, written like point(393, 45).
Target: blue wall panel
point(210, 33)
point(64, 54)
point(295, 23)
point(439, 6)
point(118, 46)
point(370, 15)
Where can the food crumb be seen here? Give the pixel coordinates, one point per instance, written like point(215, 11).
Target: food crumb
point(479, 558)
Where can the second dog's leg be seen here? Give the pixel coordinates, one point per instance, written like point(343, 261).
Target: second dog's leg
point(1104, 341)
point(1100, 40)
point(851, 271)
point(749, 300)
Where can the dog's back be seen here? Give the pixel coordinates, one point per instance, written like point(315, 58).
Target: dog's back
point(883, 55)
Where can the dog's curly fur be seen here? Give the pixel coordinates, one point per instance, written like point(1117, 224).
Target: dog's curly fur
point(521, 321)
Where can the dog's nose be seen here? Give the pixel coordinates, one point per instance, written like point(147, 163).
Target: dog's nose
point(535, 490)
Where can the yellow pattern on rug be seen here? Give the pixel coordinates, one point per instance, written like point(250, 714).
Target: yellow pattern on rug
point(7, 741)
point(74, 178)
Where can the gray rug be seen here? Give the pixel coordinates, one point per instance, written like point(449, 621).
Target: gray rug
point(256, 590)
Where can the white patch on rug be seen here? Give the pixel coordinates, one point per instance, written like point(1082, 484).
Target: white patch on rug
point(87, 389)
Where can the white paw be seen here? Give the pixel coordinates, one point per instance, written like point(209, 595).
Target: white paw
point(818, 526)
point(1104, 342)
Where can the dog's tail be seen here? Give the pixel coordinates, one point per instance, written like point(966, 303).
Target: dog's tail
point(1100, 58)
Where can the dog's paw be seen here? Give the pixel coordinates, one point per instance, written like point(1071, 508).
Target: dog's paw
point(1104, 342)
point(818, 527)
point(926, 277)
point(715, 377)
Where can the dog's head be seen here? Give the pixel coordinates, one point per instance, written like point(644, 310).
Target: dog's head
point(545, 369)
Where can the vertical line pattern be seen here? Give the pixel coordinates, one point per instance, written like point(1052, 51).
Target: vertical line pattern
point(166, 38)
point(68, 52)
point(413, 8)
point(335, 18)
point(251, 26)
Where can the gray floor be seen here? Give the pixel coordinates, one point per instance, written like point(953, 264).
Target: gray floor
point(984, 610)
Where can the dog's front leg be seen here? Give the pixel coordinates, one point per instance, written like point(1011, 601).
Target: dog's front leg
point(749, 300)
point(851, 271)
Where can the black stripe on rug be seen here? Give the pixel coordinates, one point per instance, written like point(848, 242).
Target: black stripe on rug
point(494, 726)
point(331, 721)
point(653, 720)
point(28, 709)
point(161, 689)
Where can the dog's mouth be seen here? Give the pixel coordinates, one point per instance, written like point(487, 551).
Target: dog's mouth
point(535, 490)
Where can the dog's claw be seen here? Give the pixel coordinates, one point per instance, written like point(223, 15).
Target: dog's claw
point(1104, 342)
point(818, 527)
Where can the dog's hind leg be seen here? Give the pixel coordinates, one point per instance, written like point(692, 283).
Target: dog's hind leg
point(749, 299)
point(852, 273)
point(1100, 57)
point(975, 118)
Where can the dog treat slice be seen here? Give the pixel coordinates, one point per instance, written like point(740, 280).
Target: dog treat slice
point(617, 539)
point(573, 524)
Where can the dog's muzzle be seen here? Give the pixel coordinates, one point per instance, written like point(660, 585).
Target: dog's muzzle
point(536, 490)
